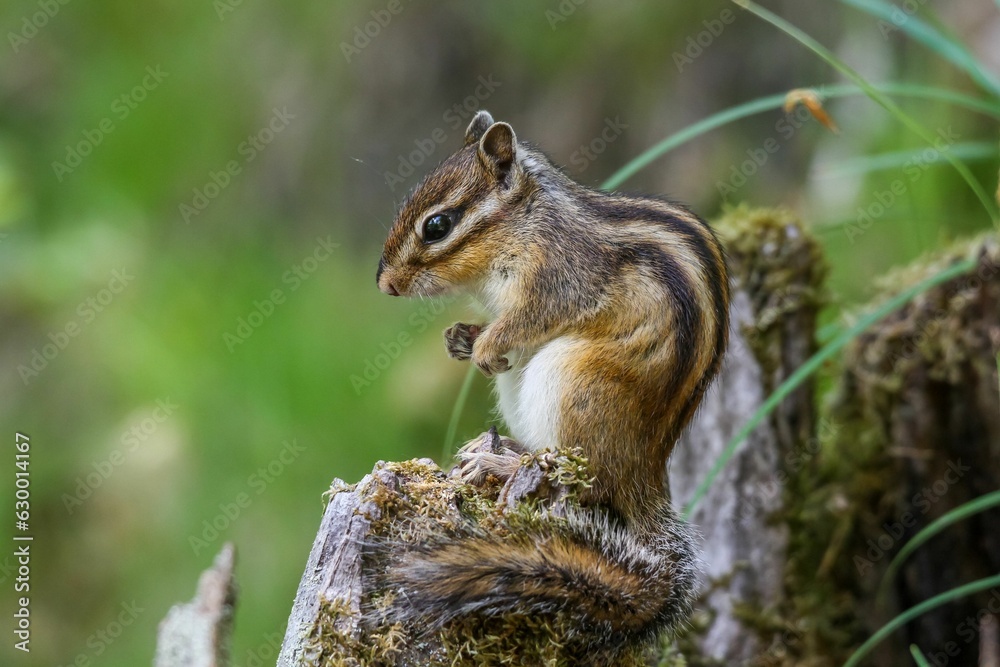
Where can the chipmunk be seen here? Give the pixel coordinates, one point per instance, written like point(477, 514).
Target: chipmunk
point(610, 318)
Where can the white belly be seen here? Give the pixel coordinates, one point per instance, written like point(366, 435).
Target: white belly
point(530, 393)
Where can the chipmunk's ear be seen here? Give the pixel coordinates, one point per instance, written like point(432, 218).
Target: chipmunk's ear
point(477, 128)
point(497, 149)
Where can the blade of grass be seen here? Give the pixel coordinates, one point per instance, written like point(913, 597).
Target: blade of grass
point(813, 364)
point(961, 512)
point(635, 165)
point(913, 612)
point(456, 414)
point(774, 102)
point(968, 152)
point(878, 97)
point(949, 49)
point(917, 654)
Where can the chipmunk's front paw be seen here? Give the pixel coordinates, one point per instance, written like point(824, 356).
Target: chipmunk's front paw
point(458, 339)
point(489, 362)
point(488, 455)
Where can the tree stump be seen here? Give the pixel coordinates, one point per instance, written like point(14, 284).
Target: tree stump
point(336, 617)
point(919, 400)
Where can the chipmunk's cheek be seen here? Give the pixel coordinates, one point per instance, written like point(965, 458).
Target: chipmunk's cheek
point(453, 276)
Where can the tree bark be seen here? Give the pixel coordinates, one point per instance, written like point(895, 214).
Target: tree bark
point(333, 571)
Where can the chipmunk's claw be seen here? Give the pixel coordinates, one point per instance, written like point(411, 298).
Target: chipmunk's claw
point(488, 455)
point(492, 366)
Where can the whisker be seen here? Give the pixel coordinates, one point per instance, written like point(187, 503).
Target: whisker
point(395, 202)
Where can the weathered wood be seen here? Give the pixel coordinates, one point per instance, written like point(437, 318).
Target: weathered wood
point(989, 641)
point(910, 431)
point(197, 633)
point(333, 571)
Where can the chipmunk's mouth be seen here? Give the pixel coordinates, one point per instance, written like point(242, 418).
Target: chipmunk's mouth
point(427, 284)
point(423, 284)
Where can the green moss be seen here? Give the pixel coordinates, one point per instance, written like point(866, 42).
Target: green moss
point(780, 266)
point(933, 330)
point(330, 644)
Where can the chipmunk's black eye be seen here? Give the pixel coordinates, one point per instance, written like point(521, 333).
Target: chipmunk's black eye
point(436, 227)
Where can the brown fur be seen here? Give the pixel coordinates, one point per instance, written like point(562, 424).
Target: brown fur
point(587, 571)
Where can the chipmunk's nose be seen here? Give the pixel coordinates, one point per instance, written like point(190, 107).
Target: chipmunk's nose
point(385, 285)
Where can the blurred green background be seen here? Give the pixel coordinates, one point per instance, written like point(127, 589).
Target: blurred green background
point(193, 197)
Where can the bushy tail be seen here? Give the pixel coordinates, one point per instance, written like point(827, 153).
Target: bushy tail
point(610, 585)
